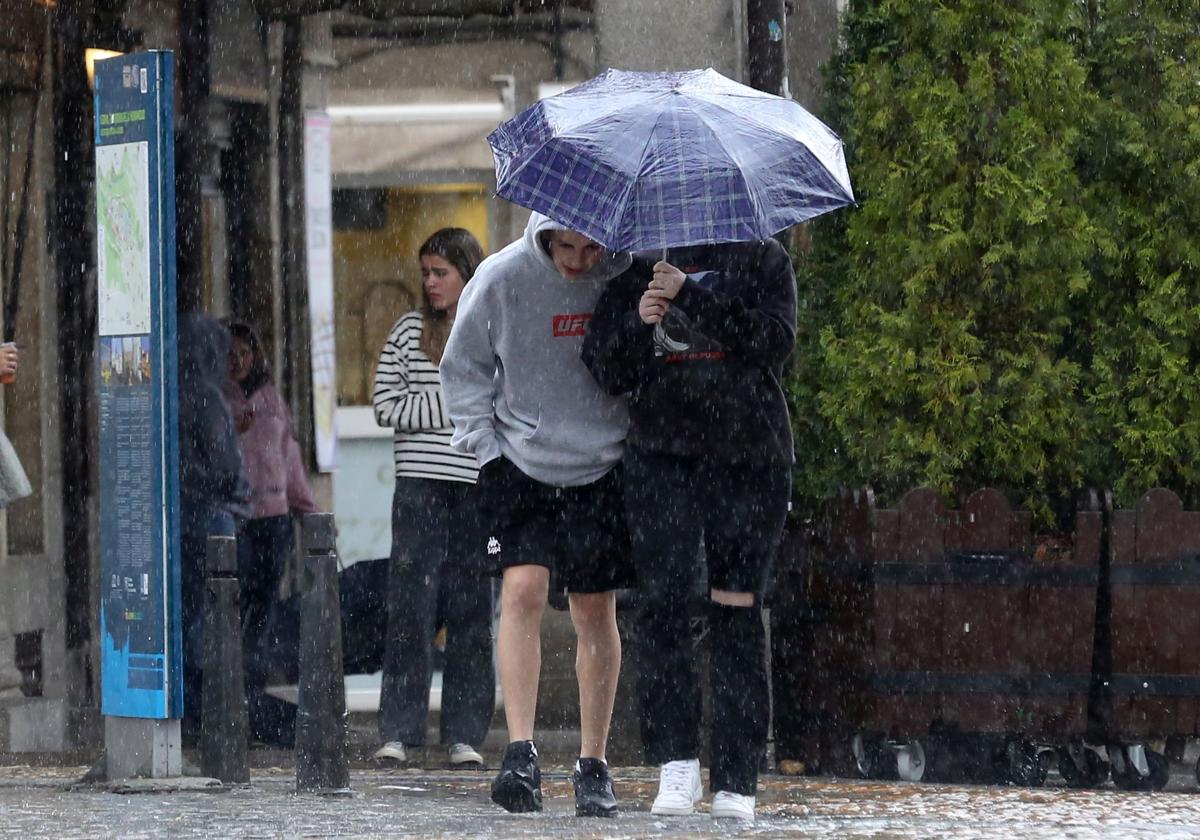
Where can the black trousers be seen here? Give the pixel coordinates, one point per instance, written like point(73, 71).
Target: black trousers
point(197, 522)
point(264, 547)
point(434, 577)
point(738, 510)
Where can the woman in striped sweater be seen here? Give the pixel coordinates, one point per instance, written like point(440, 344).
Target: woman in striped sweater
point(432, 575)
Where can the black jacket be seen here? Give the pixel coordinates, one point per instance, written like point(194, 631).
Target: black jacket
point(706, 382)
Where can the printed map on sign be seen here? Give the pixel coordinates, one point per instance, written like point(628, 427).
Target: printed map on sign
point(123, 238)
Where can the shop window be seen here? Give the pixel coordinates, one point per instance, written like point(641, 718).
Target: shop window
point(377, 277)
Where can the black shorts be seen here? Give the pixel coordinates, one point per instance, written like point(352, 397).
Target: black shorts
point(578, 533)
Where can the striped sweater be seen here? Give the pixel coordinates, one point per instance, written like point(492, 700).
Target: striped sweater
point(408, 398)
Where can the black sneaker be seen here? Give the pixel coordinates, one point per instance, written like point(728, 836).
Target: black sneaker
point(518, 786)
point(593, 789)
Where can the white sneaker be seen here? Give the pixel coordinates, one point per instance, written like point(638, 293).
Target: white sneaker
point(679, 788)
point(736, 806)
point(464, 754)
point(391, 754)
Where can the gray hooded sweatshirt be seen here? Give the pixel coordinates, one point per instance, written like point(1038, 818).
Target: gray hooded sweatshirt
point(512, 377)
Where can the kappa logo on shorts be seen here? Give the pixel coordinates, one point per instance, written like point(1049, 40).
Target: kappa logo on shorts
point(493, 545)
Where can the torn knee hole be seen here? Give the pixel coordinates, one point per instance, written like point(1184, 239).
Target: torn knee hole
point(732, 599)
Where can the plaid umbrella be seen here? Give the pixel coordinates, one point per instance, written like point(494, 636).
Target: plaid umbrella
point(638, 161)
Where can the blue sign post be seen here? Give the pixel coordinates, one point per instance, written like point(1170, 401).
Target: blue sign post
point(141, 642)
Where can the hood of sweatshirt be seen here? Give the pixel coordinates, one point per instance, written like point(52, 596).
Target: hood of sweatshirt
point(537, 241)
point(203, 344)
point(210, 463)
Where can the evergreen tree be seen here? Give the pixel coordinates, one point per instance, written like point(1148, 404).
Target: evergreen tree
point(1140, 345)
point(821, 257)
point(943, 319)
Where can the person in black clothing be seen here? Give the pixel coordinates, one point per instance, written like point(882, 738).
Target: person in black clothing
point(213, 487)
point(700, 351)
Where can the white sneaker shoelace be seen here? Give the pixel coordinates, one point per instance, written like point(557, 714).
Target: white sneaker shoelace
point(678, 788)
point(677, 777)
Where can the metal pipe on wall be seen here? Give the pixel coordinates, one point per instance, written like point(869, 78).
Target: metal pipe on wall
point(766, 35)
point(296, 368)
point(191, 134)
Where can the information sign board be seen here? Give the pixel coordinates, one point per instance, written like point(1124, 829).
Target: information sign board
point(141, 643)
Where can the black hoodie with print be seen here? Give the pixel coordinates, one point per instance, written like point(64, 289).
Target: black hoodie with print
point(707, 381)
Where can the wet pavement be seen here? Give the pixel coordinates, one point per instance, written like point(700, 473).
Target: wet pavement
point(35, 802)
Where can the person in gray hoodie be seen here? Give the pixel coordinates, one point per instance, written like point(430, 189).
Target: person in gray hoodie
point(549, 443)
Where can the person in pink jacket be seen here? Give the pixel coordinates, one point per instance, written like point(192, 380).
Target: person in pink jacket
point(279, 489)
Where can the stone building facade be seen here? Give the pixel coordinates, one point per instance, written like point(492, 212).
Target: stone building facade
point(246, 72)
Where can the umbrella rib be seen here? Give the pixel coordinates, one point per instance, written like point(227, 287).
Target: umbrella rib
point(749, 193)
point(752, 118)
point(597, 118)
point(601, 113)
point(556, 134)
point(641, 158)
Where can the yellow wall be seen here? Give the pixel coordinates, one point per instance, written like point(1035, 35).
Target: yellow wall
point(377, 277)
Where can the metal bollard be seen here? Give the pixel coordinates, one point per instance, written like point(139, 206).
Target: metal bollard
point(224, 725)
point(321, 721)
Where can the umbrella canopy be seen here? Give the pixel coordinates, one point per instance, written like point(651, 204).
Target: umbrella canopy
point(657, 160)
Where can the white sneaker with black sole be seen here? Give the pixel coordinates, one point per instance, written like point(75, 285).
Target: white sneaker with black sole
point(732, 806)
point(464, 756)
point(679, 788)
point(391, 754)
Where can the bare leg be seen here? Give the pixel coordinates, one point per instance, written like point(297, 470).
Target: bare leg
point(733, 599)
point(519, 645)
point(597, 666)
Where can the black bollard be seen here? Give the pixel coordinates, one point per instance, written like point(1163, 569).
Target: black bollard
point(223, 710)
point(321, 722)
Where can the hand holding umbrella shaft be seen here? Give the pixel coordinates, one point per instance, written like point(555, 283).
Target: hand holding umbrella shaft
point(652, 308)
point(656, 300)
point(668, 279)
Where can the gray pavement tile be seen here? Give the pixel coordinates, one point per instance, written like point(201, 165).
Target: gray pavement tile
point(34, 803)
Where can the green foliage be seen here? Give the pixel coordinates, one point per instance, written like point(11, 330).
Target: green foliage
point(1142, 170)
point(1016, 300)
point(941, 361)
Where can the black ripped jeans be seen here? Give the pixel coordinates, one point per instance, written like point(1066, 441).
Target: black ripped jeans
point(738, 510)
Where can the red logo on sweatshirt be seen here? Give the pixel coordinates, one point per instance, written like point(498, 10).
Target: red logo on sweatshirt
point(571, 326)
